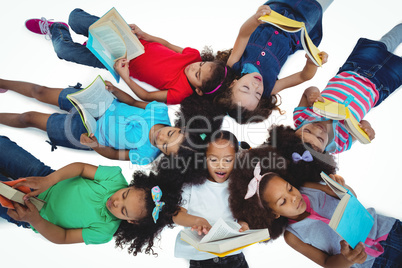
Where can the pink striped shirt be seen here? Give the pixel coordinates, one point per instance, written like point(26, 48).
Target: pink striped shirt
point(354, 91)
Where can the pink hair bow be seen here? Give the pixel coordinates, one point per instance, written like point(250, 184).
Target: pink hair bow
point(254, 184)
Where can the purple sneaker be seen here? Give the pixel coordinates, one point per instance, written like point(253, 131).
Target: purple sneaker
point(41, 26)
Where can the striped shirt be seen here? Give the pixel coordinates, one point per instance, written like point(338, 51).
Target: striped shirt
point(354, 91)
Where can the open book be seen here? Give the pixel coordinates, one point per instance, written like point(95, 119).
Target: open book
point(110, 38)
point(92, 102)
point(350, 220)
point(337, 111)
point(293, 26)
point(224, 238)
point(8, 194)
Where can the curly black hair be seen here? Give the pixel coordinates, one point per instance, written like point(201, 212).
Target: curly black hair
point(286, 142)
point(250, 210)
point(141, 236)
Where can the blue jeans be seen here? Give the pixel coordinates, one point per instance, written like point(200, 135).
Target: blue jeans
point(392, 256)
point(17, 163)
point(371, 59)
point(233, 261)
point(63, 44)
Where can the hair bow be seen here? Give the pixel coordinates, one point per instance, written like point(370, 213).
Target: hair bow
point(254, 184)
point(156, 196)
point(306, 157)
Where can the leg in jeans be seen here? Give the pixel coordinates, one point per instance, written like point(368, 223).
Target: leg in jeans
point(66, 48)
point(393, 38)
point(17, 163)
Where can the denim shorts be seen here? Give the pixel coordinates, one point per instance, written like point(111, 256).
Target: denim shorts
point(232, 261)
point(371, 59)
point(66, 129)
point(392, 256)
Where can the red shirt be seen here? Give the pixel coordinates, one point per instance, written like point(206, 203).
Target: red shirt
point(163, 68)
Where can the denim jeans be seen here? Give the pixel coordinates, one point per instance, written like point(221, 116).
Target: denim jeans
point(371, 59)
point(17, 163)
point(66, 48)
point(392, 256)
point(233, 261)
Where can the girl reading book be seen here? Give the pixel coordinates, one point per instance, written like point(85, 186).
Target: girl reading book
point(177, 72)
point(204, 202)
point(305, 214)
point(128, 130)
point(258, 55)
point(89, 204)
point(370, 74)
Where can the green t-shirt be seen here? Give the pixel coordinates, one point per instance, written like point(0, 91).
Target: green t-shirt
point(81, 203)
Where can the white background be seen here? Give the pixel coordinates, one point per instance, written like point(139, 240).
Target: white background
point(372, 170)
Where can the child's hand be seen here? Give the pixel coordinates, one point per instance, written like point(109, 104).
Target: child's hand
point(366, 126)
point(28, 214)
point(110, 87)
point(140, 33)
point(90, 141)
point(357, 255)
point(244, 226)
point(121, 67)
point(262, 10)
point(338, 179)
point(38, 184)
point(313, 95)
point(324, 57)
point(201, 225)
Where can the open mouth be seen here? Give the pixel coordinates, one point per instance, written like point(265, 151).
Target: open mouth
point(220, 174)
point(259, 78)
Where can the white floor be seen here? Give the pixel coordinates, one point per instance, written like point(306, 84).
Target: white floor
point(372, 170)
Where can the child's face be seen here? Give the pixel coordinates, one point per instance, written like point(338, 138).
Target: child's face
point(127, 204)
point(198, 72)
point(168, 139)
point(316, 134)
point(247, 91)
point(220, 160)
point(283, 198)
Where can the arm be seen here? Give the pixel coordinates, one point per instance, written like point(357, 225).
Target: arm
point(244, 34)
point(347, 257)
point(150, 38)
point(105, 151)
point(41, 184)
point(199, 224)
point(124, 97)
point(310, 95)
point(121, 67)
point(307, 73)
point(50, 231)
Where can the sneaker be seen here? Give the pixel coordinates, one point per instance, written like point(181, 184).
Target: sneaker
point(41, 26)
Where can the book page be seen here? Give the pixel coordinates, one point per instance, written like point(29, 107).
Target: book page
point(282, 22)
point(330, 109)
point(221, 230)
point(95, 98)
point(338, 189)
point(311, 49)
point(107, 34)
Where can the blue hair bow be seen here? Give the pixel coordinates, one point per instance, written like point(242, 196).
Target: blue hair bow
point(156, 196)
point(306, 157)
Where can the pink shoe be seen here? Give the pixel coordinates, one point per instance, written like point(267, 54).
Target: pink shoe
point(41, 26)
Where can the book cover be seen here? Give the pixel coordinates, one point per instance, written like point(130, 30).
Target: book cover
point(224, 238)
point(110, 39)
point(330, 109)
point(92, 102)
point(353, 127)
point(336, 111)
point(8, 194)
point(350, 220)
point(292, 26)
